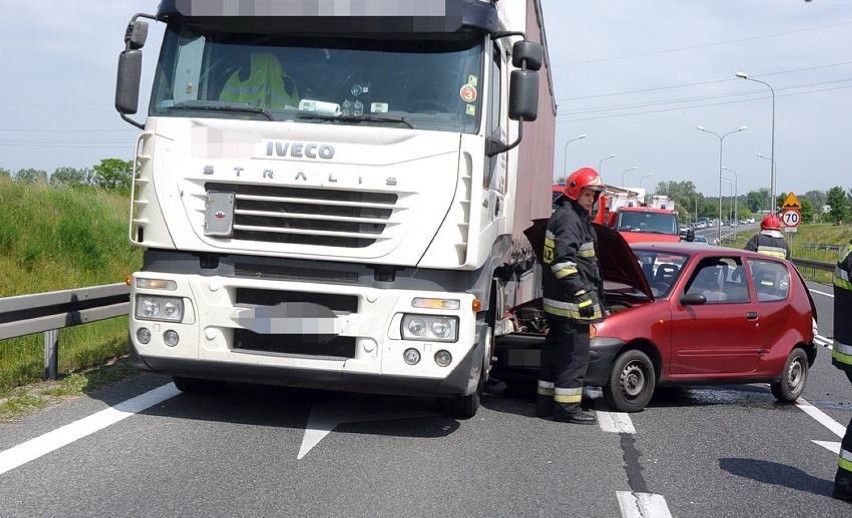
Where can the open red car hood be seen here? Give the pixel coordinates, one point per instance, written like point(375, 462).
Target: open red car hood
point(617, 261)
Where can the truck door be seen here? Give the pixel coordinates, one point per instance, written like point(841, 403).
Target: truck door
point(494, 180)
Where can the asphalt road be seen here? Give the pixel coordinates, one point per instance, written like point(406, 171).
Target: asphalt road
point(261, 451)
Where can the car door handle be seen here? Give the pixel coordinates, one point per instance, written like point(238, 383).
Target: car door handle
point(751, 315)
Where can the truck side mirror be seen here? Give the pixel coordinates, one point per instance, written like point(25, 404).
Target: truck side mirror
point(136, 34)
point(523, 95)
point(127, 82)
point(527, 55)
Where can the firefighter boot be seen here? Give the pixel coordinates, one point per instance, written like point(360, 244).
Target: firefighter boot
point(573, 414)
point(843, 486)
point(543, 406)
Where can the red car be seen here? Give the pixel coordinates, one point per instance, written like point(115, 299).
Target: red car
point(683, 313)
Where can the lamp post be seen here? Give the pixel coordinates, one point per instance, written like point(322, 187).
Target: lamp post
point(721, 140)
point(730, 192)
point(743, 75)
point(772, 167)
point(736, 195)
point(600, 164)
point(623, 184)
point(642, 179)
point(578, 137)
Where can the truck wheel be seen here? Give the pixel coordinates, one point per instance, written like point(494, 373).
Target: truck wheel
point(631, 382)
point(793, 379)
point(198, 386)
point(463, 407)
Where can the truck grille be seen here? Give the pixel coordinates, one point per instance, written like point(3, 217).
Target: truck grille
point(306, 216)
point(337, 347)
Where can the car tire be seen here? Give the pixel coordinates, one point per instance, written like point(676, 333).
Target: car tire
point(631, 382)
point(793, 378)
point(197, 386)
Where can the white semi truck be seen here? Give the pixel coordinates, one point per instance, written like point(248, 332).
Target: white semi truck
point(333, 194)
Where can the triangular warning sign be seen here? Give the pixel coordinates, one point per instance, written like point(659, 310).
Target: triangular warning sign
point(791, 202)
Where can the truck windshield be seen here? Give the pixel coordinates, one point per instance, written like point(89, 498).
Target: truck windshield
point(429, 82)
point(653, 222)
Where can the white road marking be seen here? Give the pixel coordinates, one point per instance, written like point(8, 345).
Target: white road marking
point(327, 416)
point(821, 417)
point(833, 447)
point(821, 292)
point(614, 422)
point(642, 505)
point(65, 435)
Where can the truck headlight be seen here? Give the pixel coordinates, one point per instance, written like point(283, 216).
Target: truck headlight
point(430, 328)
point(166, 309)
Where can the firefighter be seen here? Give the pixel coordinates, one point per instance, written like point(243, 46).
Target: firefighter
point(841, 357)
point(572, 299)
point(769, 241)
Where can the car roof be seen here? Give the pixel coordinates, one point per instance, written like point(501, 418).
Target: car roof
point(687, 248)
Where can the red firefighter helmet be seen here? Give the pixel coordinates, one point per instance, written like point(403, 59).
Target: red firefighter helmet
point(583, 178)
point(770, 222)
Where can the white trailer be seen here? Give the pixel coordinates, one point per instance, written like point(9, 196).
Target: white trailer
point(333, 195)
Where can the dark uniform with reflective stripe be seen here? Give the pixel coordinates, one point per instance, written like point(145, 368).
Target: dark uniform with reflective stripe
point(770, 243)
point(571, 280)
point(841, 357)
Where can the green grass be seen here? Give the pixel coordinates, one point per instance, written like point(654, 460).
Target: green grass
point(57, 238)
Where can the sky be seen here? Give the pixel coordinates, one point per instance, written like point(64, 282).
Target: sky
point(635, 76)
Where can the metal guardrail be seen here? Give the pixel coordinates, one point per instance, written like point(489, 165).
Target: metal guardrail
point(814, 266)
point(822, 246)
point(49, 312)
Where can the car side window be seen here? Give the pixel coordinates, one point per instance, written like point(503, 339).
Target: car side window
point(719, 280)
point(771, 280)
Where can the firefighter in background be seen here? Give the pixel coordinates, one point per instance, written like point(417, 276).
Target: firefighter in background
point(841, 357)
point(769, 241)
point(572, 300)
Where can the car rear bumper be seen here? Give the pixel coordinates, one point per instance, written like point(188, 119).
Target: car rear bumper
point(601, 355)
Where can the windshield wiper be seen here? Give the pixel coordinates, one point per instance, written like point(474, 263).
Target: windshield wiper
point(357, 118)
point(223, 108)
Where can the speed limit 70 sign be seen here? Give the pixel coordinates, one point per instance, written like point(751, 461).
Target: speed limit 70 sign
point(791, 218)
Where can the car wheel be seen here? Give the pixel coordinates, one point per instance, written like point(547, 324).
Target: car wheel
point(198, 386)
point(793, 378)
point(631, 382)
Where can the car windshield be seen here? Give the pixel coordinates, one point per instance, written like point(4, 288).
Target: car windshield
point(428, 82)
point(654, 222)
point(661, 269)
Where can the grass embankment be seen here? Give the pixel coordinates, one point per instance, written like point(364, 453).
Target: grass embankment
point(57, 238)
point(811, 234)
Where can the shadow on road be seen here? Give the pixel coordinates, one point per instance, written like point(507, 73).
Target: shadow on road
point(777, 474)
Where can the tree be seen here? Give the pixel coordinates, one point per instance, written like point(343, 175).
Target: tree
point(69, 176)
point(31, 176)
point(683, 194)
point(113, 174)
point(817, 198)
point(838, 203)
point(807, 210)
point(756, 200)
point(5, 173)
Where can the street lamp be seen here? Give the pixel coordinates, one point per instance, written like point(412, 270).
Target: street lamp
point(743, 75)
point(773, 166)
point(623, 184)
point(730, 192)
point(642, 179)
point(600, 164)
point(578, 137)
point(721, 140)
point(736, 195)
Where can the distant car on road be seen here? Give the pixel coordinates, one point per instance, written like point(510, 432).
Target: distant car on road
point(691, 314)
point(700, 239)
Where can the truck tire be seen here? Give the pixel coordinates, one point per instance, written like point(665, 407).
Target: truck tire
point(463, 407)
point(197, 386)
point(631, 382)
point(793, 378)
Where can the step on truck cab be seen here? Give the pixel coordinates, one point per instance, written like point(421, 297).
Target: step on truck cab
point(333, 194)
